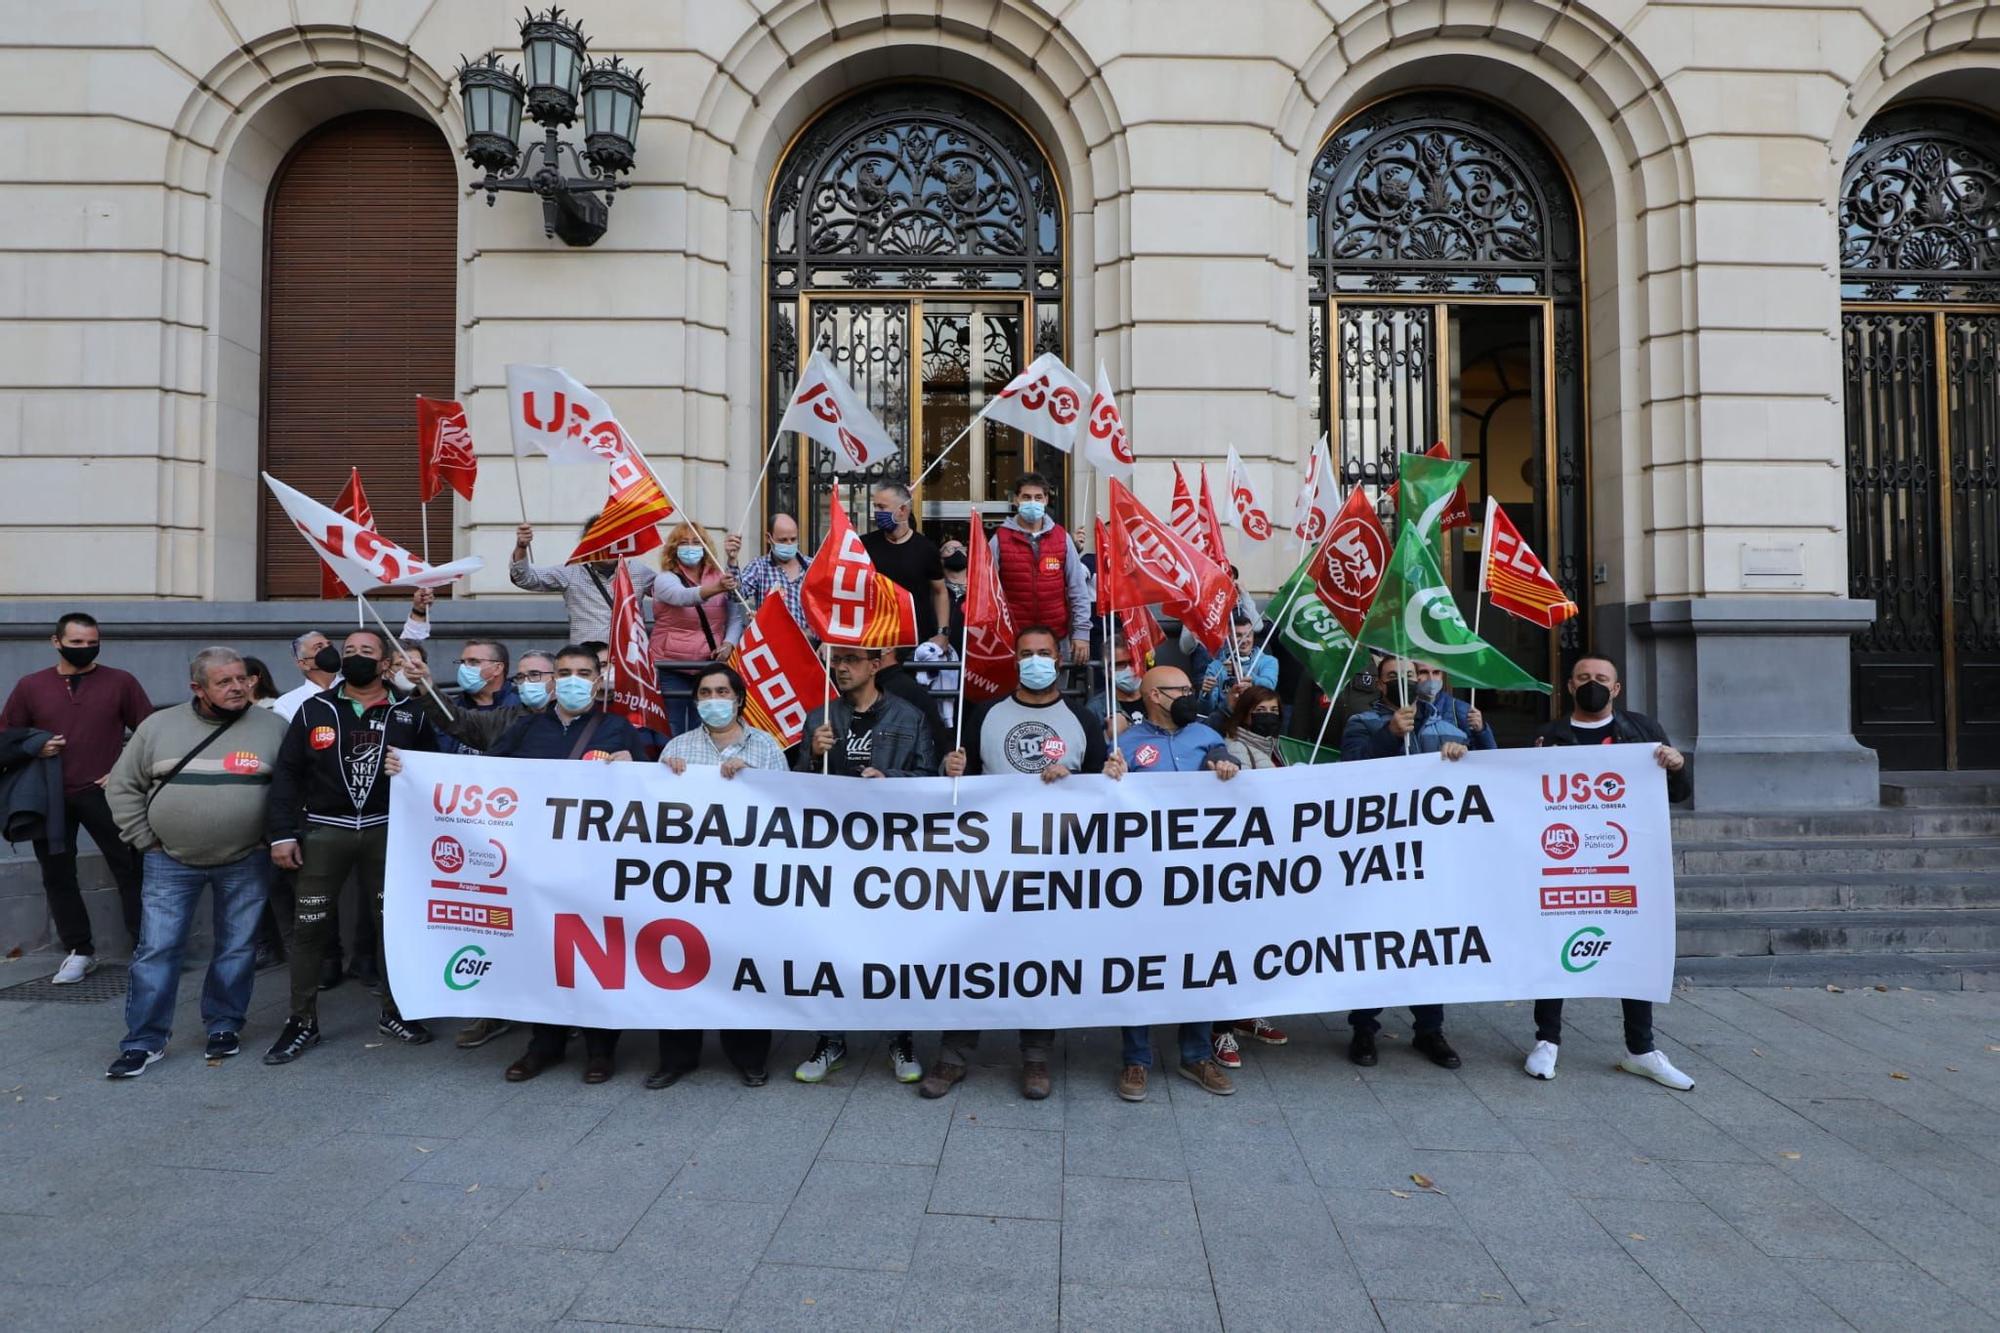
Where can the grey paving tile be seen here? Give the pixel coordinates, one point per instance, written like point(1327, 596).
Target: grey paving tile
point(1415, 1248)
point(1449, 1316)
point(1778, 1216)
point(1138, 1141)
point(1000, 1172)
point(685, 1262)
point(854, 1215)
point(1887, 1295)
point(762, 1151)
point(1704, 1265)
point(882, 1120)
point(385, 1254)
point(1594, 1161)
point(255, 1315)
point(1140, 1232)
point(782, 1297)
point(586, 1200)
point(489, 1285)
point(1092, 1308)
point(1433, 1108)
point(983, 1272)
point(1276, 1259)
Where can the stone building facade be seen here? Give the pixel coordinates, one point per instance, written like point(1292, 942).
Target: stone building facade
point(1625, 255)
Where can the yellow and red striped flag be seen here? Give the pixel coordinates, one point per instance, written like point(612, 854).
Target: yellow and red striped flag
point(846, 601)
point(1514, 578)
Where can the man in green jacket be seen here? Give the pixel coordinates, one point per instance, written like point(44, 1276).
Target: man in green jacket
point(189, 792)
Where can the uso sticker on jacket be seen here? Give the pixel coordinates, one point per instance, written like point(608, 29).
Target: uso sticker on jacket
point(241, 761)
point(322, 738)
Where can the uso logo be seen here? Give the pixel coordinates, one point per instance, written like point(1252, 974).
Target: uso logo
point(241, 761)
point(321, 738)
point(474, 802)
point(1560, 842)
point(1581, 790)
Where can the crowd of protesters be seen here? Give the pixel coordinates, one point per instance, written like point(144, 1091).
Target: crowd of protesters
point(276, 801)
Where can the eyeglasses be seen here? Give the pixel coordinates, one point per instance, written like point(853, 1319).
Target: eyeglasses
point(478, 661)
point(1174, 691)
point(521, 677)
point(850, 659)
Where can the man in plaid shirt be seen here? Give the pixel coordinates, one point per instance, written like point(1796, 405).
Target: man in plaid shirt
point(781, 567)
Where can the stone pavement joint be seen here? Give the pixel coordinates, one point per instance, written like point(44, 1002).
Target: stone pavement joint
point(369, 1186)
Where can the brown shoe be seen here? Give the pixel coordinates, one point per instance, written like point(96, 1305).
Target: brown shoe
point(527, 1067)
point(480, 1031)
point(1035, 1080)
point(1209, 1074)
point(1132, 1083)
point(597, 1069)
point(938, 1081)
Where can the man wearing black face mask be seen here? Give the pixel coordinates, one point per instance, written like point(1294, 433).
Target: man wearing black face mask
point(330, 767)
point(86, 709)
point(1592, 720)
point(319, 662)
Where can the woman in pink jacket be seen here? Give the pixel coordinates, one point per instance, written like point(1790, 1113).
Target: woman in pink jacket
point(704, 632)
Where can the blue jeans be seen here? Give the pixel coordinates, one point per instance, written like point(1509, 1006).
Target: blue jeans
point(1137, 1044)
point(172, 891)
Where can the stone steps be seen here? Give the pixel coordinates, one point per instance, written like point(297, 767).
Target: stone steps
point(1914, 971)
point(1817, 856)
point(1754, 934)
point(1934, 790)
point(1912, 890)
point(1893, 824)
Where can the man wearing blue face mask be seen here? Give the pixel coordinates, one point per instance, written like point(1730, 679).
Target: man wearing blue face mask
point(1041, 573)
point(782, 567)
point(481, 676)
point(908, 559)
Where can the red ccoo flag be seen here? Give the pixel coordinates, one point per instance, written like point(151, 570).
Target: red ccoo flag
point(352, 504)
point(1457, 514)
point(1153, 563)
point(635, 690)
point(780, 671)
point(444, 449)
point(846, 601)
point(1514, 578)
point(990, 671)
point(1347, 567)
point(629, 522)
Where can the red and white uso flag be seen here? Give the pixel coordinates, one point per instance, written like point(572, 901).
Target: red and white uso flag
point(1315, 507)
point(352, 504)
point(1046, 401)
point(550, 411)
point(360, 557)
point(635, 690)
point(825, 407)
point(780, 671)
point(1250, 515)
point(444, 449)
point(1106, 446)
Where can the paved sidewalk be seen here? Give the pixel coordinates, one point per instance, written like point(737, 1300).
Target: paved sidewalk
point(1839, 1160)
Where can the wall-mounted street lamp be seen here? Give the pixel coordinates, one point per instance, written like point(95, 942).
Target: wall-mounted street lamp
point(559, 71)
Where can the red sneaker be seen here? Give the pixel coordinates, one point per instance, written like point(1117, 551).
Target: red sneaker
point(1259, 1029)
point(1226, 1054)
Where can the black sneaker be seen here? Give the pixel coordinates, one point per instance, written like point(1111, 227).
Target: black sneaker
point(222, 1045)
point(300, 1035)
point(1439, 1050)
point(131, 1064)
point(406, 1030)
point(1361, 1048)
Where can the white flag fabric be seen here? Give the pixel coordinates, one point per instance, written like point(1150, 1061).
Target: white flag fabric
point(551, 412)
point(1245, 511)
point(1106, 446)
point(1318, 497)
point(362, 558)
point(1046, 401)
point(826, 408)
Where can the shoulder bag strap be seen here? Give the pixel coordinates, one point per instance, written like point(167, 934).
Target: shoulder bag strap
point(189, 758)
point(583, 738)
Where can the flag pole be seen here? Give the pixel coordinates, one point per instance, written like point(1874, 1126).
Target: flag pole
point(932, 465)
point(958, 716)
point(429, 688)
point(1479, 594)
point(1353, 647)
point(700, 532)
point(1403, 681)
point(424, 510)
point(521, 494)
point(826, 706)
point(1110, 646)
point(757, 486)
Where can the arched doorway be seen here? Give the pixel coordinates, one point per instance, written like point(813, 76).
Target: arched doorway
point(1446, 285)
point(360, 316)
point(914, 235)
point(1920, 337)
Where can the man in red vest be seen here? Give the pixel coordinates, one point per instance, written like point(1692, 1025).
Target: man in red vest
point(1041, 572)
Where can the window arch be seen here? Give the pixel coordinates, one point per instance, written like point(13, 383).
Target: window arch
point(915, 234)
point(1920, 208)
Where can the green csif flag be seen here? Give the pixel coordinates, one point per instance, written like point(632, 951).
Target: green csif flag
point(1312, 633)
point(1425, 489)
point(1414, 616)
point(1295, 751)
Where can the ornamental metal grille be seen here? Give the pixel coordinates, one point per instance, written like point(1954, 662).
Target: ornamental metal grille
point(1920, 209)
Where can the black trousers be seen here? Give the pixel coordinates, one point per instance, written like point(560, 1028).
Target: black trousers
point(1428, 1018)
point(550, 1040)
point(88, 809)
point(1638, 1024)
point(745, 1048)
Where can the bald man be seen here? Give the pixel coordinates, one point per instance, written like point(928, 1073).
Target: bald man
point(781, 566)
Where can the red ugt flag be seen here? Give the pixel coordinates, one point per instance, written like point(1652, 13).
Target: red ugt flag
point(635, 690)
point(780, 671)
point(1153, 563)
point(1347, 567)
point(990, 669)
point(352, 504)
point(444, 449)
point(846, 601)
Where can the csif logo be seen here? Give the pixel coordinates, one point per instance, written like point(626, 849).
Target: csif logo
point(1585, 949)
point(467, 968)
point(1583, 789)
point(474, 802)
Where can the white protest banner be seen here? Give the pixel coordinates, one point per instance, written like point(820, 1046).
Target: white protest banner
point(622, 896)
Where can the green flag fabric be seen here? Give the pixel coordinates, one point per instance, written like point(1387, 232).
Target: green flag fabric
point(1425, 489)
point(1414, 616)
point(1312, 634)
point(1295, 751)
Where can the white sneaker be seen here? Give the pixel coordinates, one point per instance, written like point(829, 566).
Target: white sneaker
point(74, 969)
point(1655, 1066)
point(829, 1054)
point(1541, 1062)
point(903, 1062)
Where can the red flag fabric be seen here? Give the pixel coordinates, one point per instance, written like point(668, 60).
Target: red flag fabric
point(1181, 513)
point(1142, 635)
point(1154, 563)
point(352, 504)
point(990, 670)
point(635, 690)
point(846, 601)
point(629, 522)
point(1457, 514)
point(1347, 567)
point(1515, 578)
point(444, 449)
point(780, 671)
point(1210, 541)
